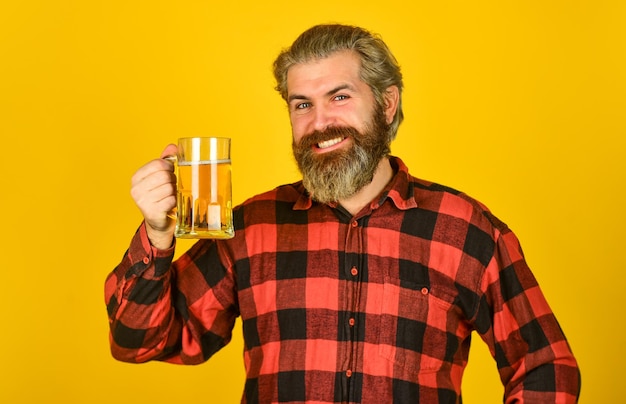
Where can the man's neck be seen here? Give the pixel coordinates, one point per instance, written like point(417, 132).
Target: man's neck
point(382, 176)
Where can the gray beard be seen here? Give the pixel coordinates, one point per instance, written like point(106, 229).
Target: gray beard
point(341, 178)
point(340, 174)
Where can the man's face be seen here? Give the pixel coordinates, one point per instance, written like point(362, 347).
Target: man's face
point(339, 133)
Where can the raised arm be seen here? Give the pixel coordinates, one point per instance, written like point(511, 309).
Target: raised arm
point(153, 302)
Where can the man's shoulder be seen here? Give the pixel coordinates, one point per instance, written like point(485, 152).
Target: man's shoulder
point(420, 192)
point(449, 200)
point(424, 188)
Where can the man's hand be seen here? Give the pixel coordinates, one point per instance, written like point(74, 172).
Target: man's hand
point(153, 188)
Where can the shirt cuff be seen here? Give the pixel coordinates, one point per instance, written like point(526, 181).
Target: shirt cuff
point(143, 255)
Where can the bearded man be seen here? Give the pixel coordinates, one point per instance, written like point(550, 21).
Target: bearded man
point(358, 284)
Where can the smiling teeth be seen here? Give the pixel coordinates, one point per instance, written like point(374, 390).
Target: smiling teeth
point(327, 143)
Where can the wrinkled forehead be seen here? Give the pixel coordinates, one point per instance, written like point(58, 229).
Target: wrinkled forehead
point(340, 65)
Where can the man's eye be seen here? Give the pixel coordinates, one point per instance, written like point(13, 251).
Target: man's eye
point(341, 97)
point(303, 105)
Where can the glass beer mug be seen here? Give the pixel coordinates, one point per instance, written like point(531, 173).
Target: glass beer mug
point(204, 189)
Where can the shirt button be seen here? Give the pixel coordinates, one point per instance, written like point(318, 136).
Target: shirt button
point(424, 291)
point(354, 271)
point(354, 224)
point(351, 322)
point(348, 373)
point(146, 260)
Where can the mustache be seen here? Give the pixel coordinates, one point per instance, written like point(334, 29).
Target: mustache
point(329, 133)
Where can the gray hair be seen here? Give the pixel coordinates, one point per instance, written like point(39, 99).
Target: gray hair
point(379, 68)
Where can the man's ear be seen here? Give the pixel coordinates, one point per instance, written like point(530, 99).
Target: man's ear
point(392, 98)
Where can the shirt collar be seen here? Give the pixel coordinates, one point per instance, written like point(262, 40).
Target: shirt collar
point(399, 190)
point(304, 201)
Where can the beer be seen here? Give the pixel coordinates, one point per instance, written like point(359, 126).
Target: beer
point(204, 199)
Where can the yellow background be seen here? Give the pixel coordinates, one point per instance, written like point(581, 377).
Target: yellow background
point(521, 104)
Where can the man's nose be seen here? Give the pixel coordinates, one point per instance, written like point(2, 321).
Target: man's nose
point(323, 118)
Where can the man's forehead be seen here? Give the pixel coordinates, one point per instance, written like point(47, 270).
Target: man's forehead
point(340, 66)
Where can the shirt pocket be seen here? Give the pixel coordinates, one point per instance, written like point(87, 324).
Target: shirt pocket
point(413, 325)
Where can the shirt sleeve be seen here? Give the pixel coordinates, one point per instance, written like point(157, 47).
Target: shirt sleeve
point(179, 311)
point(534, 359)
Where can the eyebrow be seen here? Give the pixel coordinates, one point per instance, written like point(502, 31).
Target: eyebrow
point(328, 93)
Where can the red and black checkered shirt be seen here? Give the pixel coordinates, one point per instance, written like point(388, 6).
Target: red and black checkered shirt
point(372, 308)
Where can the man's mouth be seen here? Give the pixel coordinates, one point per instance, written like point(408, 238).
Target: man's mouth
point(328, 143)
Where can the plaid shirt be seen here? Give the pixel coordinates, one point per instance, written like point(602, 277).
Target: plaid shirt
point(377, 307)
